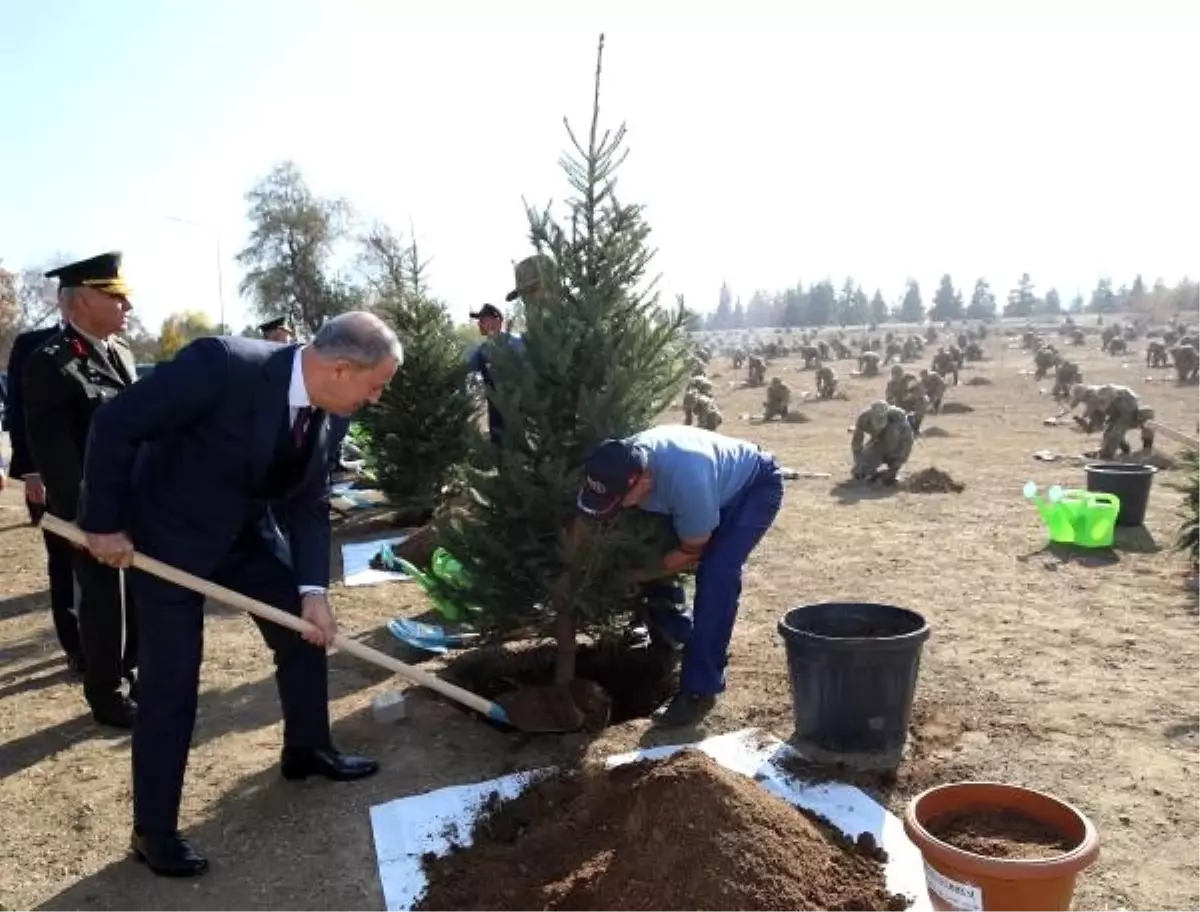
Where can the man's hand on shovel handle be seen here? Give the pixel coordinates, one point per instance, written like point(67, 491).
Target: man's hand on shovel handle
point(111, 548)
point(315, 608)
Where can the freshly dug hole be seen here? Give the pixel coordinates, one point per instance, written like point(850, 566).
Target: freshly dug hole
point(931, 481)
point(637, 681)
point(679, 833)
point(1000, 834)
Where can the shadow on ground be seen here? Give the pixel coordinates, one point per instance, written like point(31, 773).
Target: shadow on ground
point(851, 491)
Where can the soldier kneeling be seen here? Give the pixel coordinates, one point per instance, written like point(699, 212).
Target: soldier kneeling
point(882, 437)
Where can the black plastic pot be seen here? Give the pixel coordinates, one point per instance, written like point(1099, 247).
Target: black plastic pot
point(853, 673)
point(1130, 481)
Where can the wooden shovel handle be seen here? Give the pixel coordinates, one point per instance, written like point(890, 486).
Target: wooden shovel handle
point(73, 533)
point(1172, 434)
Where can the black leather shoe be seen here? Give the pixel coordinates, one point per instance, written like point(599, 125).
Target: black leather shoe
point(302, 762)
point(117, 711)
point(168, 854)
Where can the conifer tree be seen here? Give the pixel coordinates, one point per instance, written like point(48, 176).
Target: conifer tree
point(600, 358)
point(419, 432)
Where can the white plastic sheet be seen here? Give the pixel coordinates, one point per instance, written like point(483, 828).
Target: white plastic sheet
point(407, 828)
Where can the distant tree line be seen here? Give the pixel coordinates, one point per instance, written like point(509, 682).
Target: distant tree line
point(822, 304)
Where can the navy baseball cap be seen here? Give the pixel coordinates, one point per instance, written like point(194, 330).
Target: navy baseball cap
point(487, 310)
point(611, 472)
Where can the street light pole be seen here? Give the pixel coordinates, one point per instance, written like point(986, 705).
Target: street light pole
point(220, 265)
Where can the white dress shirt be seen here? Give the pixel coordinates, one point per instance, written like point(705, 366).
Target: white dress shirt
point(298, 399)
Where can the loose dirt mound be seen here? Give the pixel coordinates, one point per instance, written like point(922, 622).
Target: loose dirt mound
point(935, 432)
point(956, 408)
point(1000, 834)
point(680, 833)
point(979, 381)
point(931, 481)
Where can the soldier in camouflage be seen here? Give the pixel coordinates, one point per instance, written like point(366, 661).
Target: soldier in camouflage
point(708, 415)
point(1122, 411)
point(1044, 361)
point(1066, 375)
point(945, 364)
point(882, 438)
point(827, 382)
point(1187, 363)
point(698, 386)
point(1156, 354)
point(906, 391)
point(757, 368)
point(779, 397)
point(868, 363)
point(893, 352)
point(935, 389)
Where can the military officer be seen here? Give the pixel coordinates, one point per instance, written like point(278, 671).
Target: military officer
point(63, 383)
point(277, 330)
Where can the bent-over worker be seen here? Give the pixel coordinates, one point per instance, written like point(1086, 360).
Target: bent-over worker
point(722, 495)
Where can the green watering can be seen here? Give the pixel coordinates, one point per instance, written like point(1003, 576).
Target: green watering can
point(1075, 517)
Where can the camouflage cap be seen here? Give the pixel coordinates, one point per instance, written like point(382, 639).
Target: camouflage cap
point(1078, 393)
point(897, 370)
point(531, 273)
point(877, 413)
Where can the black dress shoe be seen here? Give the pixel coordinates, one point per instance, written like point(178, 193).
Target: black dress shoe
point(117, 711)
point(168, 854)
point(302, 762)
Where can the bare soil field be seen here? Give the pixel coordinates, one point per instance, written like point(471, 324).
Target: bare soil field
point(1076, 675)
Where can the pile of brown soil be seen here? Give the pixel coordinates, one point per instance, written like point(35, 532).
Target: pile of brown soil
point(979, 381)
point(796, 418)
point(932, 481)
point(956, 408)
point(934, 432)
point(680, 833)
point(1000, 834)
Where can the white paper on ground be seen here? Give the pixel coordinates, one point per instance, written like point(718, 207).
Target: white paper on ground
point(407, 828)
point(356, 563)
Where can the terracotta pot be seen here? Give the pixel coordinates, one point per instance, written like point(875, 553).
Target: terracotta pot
point(959, 880)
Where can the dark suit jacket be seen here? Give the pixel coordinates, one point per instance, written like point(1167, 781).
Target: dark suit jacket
point(23, 346)
point(178, 460)
point(63, 383)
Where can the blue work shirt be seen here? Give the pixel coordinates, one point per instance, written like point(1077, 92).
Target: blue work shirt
point(694, 473)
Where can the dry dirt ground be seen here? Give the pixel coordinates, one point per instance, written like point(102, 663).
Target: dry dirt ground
point(1078, 676)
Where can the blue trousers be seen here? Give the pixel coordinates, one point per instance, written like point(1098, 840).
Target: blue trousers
point(744, 521)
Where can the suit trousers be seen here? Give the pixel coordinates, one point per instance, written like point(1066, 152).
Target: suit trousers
point(172, 640)
point(109, 635)
point(59, 560)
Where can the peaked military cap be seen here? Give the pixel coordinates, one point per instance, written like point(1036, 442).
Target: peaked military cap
point(101, 272)
point(277, 323)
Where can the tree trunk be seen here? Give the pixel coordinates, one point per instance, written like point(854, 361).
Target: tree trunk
point(564, 638)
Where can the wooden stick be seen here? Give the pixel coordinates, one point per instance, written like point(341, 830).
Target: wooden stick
point(1172, 434)
point(74, 534)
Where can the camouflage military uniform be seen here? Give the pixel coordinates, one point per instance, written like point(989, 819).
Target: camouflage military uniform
point(1078, 337)
point(708, 415)
point(739, 358)
point(1123, 412)
point(882, 437)
point(1156, 354)
point(1066, 375)
point(1117, 346)
point(1094, 400)
point(827, 382)
point(698, 386)
point(1187, 363)
point(893, 352)
point(758, 370)
point(868, 363)
point(945, 364)
point(974, 352)
point(811, 356)
point(913, 346)
point(1044, 361)
point(779, 397)
point(935, 389)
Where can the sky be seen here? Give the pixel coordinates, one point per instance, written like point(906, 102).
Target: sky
point(770, 142)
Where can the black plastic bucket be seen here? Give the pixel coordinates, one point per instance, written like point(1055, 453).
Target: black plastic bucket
point(853, 672)
point(1130, 481)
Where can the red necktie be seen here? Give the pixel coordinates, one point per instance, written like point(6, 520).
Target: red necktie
point(300, 425)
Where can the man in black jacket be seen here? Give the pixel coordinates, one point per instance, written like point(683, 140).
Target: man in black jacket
point(63, 383)
point(22, 466)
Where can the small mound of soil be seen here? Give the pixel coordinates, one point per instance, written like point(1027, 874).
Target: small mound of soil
point(932, 481)
point(979, 381)
point(679, 833)
point(956, 408)
point(935, 432)
point(1000, 834)
point(418, 548)
point(636, 681)
point(796, 418)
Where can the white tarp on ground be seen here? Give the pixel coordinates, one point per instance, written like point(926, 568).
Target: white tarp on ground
point(356, 563)
point(407, 828)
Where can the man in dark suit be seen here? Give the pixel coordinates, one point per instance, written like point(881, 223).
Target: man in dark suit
point(63, 383)
point(58, 551)
point(218, 463)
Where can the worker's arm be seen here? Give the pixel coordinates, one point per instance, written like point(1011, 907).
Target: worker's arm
point(856, 442)
point(48, 399)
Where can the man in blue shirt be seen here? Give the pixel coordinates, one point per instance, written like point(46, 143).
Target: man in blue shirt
point(722, 494)
point(491, 327)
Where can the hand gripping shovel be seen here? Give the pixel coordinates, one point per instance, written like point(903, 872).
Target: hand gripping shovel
point(493, 711)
